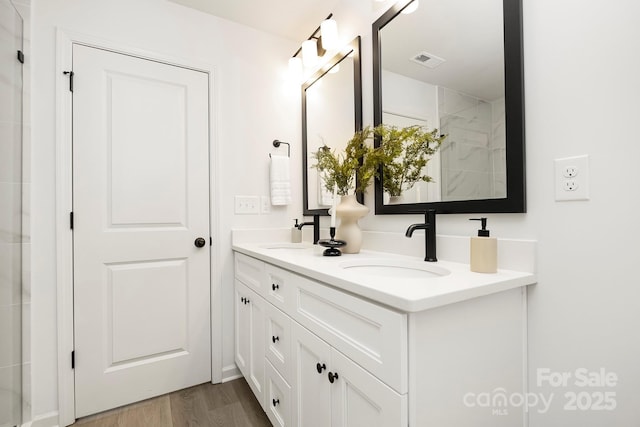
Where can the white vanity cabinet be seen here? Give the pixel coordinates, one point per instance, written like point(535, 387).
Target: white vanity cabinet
point(317, 355)
point(305, 379)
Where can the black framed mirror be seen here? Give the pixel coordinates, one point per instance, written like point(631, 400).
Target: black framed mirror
point(331, 114)
point(455, 65)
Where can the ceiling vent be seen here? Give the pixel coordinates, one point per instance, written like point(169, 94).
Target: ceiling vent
point(427, 59)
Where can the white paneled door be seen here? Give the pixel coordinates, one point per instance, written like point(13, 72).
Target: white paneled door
point(140, 203)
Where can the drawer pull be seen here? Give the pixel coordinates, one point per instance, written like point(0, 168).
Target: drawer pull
point(275, 338)
point(274, 286)
point(333, 377)
point(275, 402)
point(320, 367)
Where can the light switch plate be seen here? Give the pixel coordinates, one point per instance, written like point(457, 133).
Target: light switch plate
point(572, 178)
point(247, 205)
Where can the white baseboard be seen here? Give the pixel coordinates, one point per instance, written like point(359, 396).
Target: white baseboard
point(230, 372)
point(50, 419)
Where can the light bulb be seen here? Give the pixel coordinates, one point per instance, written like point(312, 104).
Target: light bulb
point(412, 7)
point(329, 32)
point(309, 53)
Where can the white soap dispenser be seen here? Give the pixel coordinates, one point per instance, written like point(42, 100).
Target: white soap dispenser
point(296, 233)
point(484, 250)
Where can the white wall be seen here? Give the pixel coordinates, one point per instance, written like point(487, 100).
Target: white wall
point(581, 78)
point(255, 104)
point(583, 313)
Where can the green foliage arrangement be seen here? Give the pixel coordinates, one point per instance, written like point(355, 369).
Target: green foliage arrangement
point(403, 154)
point(359, 157)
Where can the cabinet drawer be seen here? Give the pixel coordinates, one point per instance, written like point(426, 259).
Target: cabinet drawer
point(278, 340)
point(277, 398)
point(372, 336)
point(278, 289)
point(251, 272)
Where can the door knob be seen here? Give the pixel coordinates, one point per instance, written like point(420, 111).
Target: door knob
point(332, 377)
point(320, 367)
point(200, 242)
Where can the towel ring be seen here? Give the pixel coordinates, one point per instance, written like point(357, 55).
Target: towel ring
point(276, 143)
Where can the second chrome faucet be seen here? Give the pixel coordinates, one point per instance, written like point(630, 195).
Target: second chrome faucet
point(429, 227)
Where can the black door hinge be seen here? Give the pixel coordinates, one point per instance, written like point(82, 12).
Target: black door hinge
point(210, 241)
point(70, 79)
point(73, 359)
point(71, 220)
point(21, 57)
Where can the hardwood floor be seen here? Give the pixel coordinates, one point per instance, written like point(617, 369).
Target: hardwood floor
point(230, 404)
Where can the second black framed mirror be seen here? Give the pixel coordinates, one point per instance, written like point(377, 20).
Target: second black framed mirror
point(331, 113)
point(457, 66)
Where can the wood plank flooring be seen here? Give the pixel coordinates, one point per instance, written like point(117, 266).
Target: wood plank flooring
point(230, 404)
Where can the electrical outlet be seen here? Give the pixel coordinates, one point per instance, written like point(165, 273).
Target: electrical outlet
point(570, 185)
point(247, 205)
point(570, 171)
point(265, 205)
point(572, 178)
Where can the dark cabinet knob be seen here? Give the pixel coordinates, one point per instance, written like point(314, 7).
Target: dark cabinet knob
point(320, 367)
point(200, 242)
point(275, 402)
point(242, 299)
point(274, 286)
point(333, 377)
point(274, 339)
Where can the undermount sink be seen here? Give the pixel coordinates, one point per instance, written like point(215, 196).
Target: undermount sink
point(396, 268)
point(286, 245)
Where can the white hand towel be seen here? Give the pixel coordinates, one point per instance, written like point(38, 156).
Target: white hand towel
point(280, 183)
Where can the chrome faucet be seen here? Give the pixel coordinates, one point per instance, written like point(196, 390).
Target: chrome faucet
point(316, 228)
point(429, 227)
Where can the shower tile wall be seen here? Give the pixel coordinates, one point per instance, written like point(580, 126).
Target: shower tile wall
point(472, 155)
point(14, 230)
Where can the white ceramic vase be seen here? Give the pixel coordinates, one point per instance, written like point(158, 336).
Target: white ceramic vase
point(349, 211)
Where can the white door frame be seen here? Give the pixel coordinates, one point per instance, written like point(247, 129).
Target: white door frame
point(64, 196)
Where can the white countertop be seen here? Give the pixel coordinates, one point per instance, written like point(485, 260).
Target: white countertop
point(403, 294)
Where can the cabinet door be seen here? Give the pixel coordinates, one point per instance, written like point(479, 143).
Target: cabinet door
point(242, 325)
point(360, 399)
point(250, 333)
point(278, 340)
point(312, 394)
point(277, 397)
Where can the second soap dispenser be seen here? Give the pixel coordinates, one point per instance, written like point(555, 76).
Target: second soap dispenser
point(484, 250)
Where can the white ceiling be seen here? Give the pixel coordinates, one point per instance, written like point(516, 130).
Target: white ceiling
point(293, 19)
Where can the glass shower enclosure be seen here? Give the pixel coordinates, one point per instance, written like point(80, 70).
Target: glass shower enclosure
point(11, 233)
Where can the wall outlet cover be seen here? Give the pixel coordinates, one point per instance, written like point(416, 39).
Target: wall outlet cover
point(572, 178)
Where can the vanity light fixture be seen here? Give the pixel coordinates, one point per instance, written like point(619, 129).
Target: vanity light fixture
point(411, 7)
point(324, 38)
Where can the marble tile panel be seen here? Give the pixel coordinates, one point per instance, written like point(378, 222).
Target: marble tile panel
point(465, 185)
point(10, 395)
point(499, 160)
point(10, 152)
point(10, 212)
point(10, 274)
point(10, 335)
point(500, 185)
